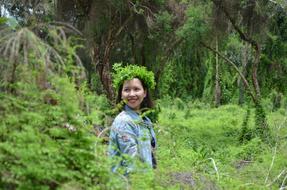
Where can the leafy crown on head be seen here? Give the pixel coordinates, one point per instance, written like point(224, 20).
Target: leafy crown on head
point(129, 72)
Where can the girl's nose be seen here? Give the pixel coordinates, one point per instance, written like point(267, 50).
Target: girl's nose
point(132, 93)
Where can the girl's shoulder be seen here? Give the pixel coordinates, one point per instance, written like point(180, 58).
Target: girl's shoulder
point(122, 119)
point(122, 116)
point(124, 122)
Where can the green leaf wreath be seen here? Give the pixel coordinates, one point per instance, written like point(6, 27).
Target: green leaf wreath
point(129, 72)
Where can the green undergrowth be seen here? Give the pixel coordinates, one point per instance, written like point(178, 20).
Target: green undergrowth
point(49, 141)
point(199, 148)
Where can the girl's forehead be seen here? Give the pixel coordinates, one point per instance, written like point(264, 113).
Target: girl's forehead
point(134, 81)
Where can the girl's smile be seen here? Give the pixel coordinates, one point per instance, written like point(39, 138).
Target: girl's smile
point(134, 93)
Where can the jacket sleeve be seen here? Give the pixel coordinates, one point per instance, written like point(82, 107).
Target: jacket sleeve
point(125, 143)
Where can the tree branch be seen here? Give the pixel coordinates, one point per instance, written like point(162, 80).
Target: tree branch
point(248, 39)
point(67, 25)
point(242, 35)
point(235, 67)
point(123, 26)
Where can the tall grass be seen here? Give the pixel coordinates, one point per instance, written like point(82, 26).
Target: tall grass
point(199, 147)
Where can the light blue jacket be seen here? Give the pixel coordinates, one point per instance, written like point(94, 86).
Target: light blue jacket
point(133, 136)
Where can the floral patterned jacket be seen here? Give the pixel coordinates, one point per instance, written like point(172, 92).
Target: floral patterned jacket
point(134, 136)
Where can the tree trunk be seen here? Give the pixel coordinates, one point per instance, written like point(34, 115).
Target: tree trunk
point(254, 71)
point(217, 94)
point(12, 80)
point(263, 129)
point(107, 80)
point(102, 50)
point(102, 67)
point(105, 74)
point(133, 48)
point(241, 98)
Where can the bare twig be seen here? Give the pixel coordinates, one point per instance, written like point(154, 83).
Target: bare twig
point(272, 163)
point(283, 183)
point(273, 158)
point(280, 174)
point(215, 168)
point(104, 131)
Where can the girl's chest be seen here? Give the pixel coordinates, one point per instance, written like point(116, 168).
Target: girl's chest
point(142, 132)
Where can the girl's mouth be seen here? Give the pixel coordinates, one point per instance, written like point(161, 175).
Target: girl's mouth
point(132, 100)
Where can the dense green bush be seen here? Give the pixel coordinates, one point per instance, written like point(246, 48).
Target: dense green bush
point(46, 141)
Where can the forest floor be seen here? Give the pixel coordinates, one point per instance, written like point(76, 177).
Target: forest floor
point(199, 148)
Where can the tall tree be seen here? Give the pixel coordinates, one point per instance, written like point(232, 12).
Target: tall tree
point(253, 23)
point(108, 23)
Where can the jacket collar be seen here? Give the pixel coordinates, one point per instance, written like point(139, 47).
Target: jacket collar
point(136, 115)
point(131, 111)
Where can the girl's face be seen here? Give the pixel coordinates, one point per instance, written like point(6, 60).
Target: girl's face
point(134, 93)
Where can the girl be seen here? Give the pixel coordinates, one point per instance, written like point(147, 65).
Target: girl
point(132, 135)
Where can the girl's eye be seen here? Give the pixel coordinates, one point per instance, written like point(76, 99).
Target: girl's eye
point(126, 90)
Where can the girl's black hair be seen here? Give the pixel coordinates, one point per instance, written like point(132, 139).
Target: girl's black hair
point(147, 101)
